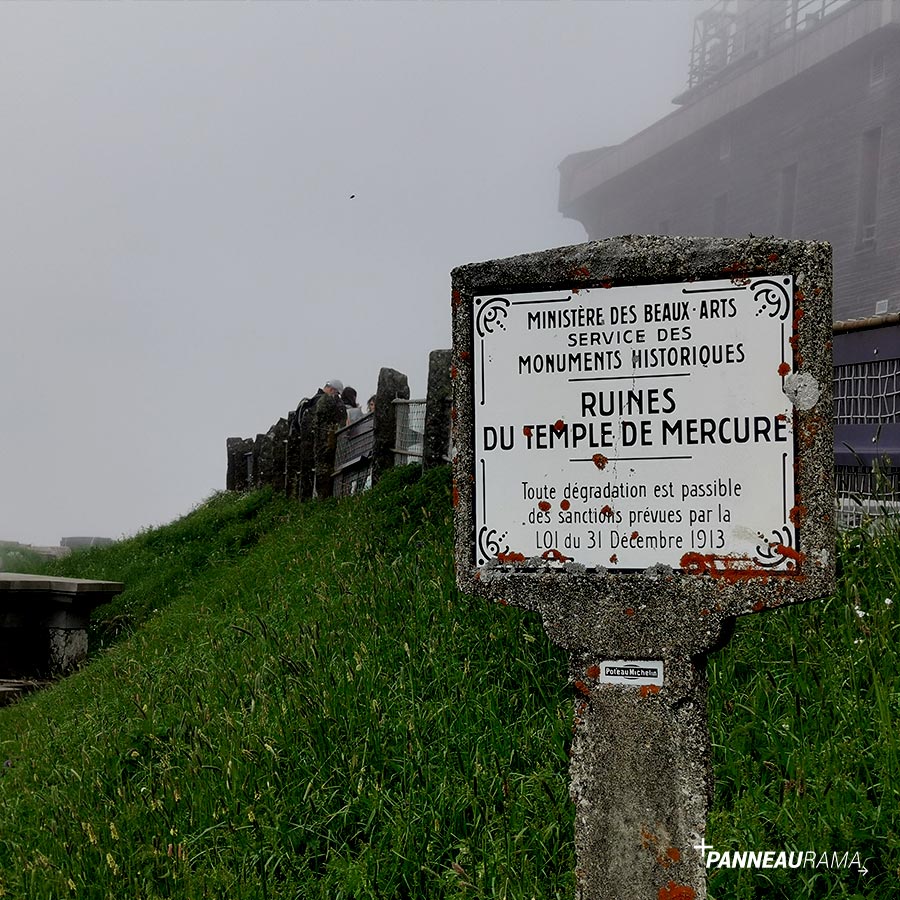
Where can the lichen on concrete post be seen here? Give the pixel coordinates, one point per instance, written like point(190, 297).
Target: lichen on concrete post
point(643, 452)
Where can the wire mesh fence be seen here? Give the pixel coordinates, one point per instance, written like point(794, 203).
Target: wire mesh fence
point(864, 493)
point(867, 392)
point(410, 435)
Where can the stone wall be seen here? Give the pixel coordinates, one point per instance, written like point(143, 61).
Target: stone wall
point(298, 459)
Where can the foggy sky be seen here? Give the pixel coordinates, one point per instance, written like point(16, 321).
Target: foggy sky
point(182, 259)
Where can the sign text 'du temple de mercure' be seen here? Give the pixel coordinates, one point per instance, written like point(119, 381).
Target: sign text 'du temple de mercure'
point(644, 451)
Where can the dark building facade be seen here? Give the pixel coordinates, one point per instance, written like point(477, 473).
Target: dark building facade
point(790, 126)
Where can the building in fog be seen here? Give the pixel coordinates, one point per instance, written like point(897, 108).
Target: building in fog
point(790, 126)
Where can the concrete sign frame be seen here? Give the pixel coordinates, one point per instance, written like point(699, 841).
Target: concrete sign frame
point(640, 767)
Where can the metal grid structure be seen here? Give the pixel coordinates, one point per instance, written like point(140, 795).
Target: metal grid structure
point(866, 414)
point(409, 441)
point(866, 393)
point(353, 457)
point(730, 31)
point(865, 493)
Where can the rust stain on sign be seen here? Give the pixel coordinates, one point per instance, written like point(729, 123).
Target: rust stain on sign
point(797, 514)
point(727, 568)
point(511, 557)
point(556, 555)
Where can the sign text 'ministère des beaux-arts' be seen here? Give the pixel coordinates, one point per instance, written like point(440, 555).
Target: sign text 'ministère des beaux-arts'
point(629, 426)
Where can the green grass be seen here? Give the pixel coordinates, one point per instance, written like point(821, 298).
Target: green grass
point(293, 701)
point(18, 559)
point(318, 714)
point(804, 708)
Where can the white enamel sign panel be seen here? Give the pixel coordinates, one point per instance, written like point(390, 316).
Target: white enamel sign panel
point(640, 425)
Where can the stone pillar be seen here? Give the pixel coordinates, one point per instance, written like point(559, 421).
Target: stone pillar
point(68, 639)
point(292, 458)
point(330, 415)
point(391, 386)
point(279, 432)
point(306, 457)
point(437, 409)
point(254, 475)
point(265, 459)
point(236, 475)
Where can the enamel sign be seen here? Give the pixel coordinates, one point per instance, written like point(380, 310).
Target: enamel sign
point(625, 427)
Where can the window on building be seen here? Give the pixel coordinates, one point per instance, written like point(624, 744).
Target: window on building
point(725, 144)
point(720, 214)
point(787, 200)
point(870, 163)
point(876, 68)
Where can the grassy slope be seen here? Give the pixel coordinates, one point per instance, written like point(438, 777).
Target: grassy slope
point(294, 701)
point(321, 716)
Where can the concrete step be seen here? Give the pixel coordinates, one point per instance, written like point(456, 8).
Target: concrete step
point(11, 689)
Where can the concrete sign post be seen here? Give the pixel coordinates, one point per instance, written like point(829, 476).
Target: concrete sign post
point(644, 451)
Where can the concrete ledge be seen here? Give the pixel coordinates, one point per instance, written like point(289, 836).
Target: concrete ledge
point(44, 621)
point(14, 581)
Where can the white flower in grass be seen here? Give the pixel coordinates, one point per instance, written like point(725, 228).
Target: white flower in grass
point(860, 612)
point(888, 601)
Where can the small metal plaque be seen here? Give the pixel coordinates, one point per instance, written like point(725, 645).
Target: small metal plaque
point(635, 672)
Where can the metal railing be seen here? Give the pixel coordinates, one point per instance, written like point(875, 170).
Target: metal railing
point(867, 421)
point(353, 457)
point(729, 31)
